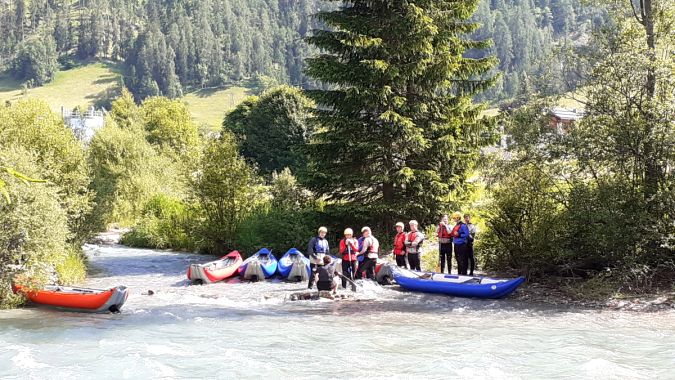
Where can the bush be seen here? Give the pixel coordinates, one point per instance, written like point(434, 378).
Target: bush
point(227, 191)
point(169, 126)
point(278, 230)
point(166, 223)
point(60, 157)
point(71, 269)
point(34, 238)
point(528, 228)
point(126, 173)
point(288, 220)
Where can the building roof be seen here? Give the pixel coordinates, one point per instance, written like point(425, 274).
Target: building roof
point(567, 114)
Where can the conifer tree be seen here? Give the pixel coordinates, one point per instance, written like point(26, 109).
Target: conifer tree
point(397, 126)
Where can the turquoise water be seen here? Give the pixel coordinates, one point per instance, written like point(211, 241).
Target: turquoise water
point(250, 330)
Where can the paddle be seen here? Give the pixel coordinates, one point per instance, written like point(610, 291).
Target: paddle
point(351, 266)
point(348, 280)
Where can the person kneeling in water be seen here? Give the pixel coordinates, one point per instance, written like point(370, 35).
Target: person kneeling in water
point(326, 275)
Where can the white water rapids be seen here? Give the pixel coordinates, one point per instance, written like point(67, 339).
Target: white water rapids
point(249, 330)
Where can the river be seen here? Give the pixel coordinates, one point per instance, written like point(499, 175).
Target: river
point(250, 330)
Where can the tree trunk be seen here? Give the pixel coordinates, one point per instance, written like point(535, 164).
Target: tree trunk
point(651, 176)
point(388, 199)
point(651, 169)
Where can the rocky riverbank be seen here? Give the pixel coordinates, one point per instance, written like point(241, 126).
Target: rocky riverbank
point(567, 292)
point(546, 293)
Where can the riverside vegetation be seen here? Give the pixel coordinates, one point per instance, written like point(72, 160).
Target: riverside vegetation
point(392, 133)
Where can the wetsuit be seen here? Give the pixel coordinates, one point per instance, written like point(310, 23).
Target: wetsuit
point(460, 240)
point(316, 249)
point(445, 246)
point(370, 250)
point(326, 275)
point(348, 250)
point(399, 249)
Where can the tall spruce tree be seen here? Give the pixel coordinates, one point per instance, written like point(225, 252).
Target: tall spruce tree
point(397, 126)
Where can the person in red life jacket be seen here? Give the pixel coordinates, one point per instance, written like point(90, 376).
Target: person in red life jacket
point(349, 247)
point(460, 239)
point(472, 237)
point(399, 245)
point(370, 250)
point(316, 250)
point(413, 243)
point(443, 231)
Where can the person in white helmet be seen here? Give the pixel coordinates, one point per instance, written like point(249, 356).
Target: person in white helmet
point(370, 249)
point(316, 250)
point(349, 247)
point(399, 245)
point(413, 243)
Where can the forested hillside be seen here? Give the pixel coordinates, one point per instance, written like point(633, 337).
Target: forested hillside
point(530, 37)
point(170, 46)
point(166, 45)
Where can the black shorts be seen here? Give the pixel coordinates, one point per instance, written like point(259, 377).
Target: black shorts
point(324, 285)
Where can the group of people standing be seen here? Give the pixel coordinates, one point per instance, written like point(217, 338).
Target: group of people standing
point(359, 256)
point(459, 237)
point(350, 248)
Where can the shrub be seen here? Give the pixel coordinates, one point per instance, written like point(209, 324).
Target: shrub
point(227, 191)
point(527, 225)
point(34, 226)
point(288, 220)
point(126, 173)
point(276, 229)
point(60, 157)
point(169, 126)
point(166, 223)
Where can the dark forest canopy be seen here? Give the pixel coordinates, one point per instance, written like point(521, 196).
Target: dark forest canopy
point(170, 46)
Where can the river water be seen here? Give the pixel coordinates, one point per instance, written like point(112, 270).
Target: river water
point(250, 330)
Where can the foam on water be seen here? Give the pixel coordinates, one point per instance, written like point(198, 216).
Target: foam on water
point(251, 330)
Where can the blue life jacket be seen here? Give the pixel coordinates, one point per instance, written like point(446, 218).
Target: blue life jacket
point(320, 245)
point(463, 234)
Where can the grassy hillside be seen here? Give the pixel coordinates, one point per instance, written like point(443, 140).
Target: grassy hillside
point(208, 106)
point(82, 86)
point(97, 83)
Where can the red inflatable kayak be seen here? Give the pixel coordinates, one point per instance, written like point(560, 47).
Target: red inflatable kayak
point(215, 271)
point(77, 299)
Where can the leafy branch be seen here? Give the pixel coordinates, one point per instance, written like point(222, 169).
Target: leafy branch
point(20, 176)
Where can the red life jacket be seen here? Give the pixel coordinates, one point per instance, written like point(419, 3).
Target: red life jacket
point(344, 250)
point(412, 236)
point(399, 244)
point(455, 230)
point(443, 232)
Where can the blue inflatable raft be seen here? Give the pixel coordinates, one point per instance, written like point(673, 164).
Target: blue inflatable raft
point(454, 285)
point(259, 266)
point(293, 265)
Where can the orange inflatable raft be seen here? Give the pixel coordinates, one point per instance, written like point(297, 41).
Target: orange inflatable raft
point(77, 299)
point(215, 271)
